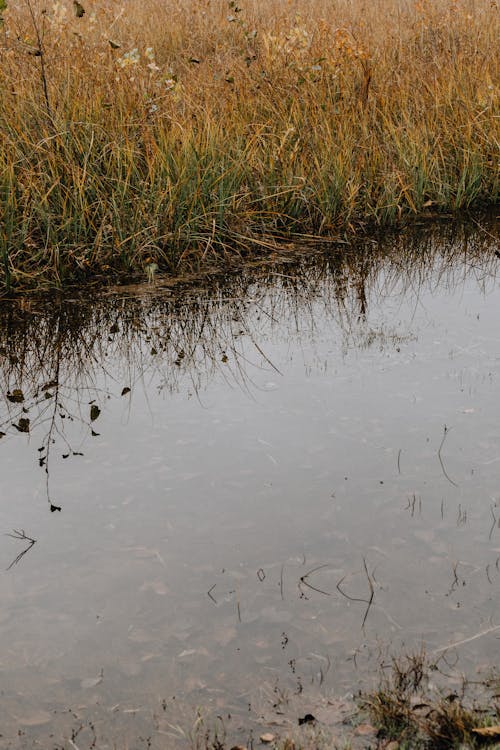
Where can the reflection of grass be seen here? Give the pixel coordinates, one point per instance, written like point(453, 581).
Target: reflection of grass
point(57, 356)
point(174, 133)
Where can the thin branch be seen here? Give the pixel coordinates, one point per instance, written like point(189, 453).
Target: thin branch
point(23, 537)
point(368, 601)
point(309, 585)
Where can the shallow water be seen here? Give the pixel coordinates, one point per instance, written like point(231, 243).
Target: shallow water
point(282, 477)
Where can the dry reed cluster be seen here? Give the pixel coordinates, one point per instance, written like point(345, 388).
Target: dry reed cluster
point(153, 132)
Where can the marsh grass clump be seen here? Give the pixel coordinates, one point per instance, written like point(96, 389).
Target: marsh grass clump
point(391, 706)
point(449, 723)
point(189, 132)
point(408, 708)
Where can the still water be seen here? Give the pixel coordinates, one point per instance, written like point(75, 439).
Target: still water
point(245, 494)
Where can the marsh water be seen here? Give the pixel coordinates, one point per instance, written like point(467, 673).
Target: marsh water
point(240, 497)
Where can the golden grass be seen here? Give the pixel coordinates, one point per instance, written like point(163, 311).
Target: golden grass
point(152, 131)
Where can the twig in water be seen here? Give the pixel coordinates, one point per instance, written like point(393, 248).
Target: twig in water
point(399, 461)
point(281, 582)
point(493, 524)
point(309, 585)
point(446, 431)
point(488, 574)
point(467, 640)
point(368, 601)
point(22, 536)
point(209, 593)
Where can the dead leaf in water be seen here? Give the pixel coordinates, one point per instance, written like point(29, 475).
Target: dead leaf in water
point(90, 682)
point(94, 412)
point(23, 425)
point(364, 729)
point(36, 719)
point(16, 397)
point(157, 586)
point(267, 738)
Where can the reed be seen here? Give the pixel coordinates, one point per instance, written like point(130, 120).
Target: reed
point(181, 134)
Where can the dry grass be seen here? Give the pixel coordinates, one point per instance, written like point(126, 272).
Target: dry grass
point(408, 708)
point(152, 131)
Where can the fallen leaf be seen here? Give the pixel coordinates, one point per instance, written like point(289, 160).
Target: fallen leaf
point(487, 731)
point(90, 682)
point(94, 412)
point(36, 718)
point(16, 397)
point(307, 719)
point(267, 737)
point(365, 729)
point(23, 425)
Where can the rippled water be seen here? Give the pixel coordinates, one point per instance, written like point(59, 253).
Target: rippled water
point(248, 492)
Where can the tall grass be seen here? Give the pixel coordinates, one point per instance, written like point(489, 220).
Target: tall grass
point(179, 133)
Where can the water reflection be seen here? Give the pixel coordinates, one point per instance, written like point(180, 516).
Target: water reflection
point(234, 495)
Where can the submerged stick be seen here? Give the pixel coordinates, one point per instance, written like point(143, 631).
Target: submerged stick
point(466, 640)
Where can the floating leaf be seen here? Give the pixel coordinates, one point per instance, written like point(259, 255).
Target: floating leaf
point(94, 433)
point(94, 412)
point(125, 391)
point(54, 508)
point(23, 425)
point(16, 397)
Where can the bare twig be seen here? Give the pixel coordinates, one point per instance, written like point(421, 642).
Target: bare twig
point(368, 601)
point(309, 585)
point(23, 537)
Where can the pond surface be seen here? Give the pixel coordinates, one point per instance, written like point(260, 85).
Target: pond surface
point(245, 495)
